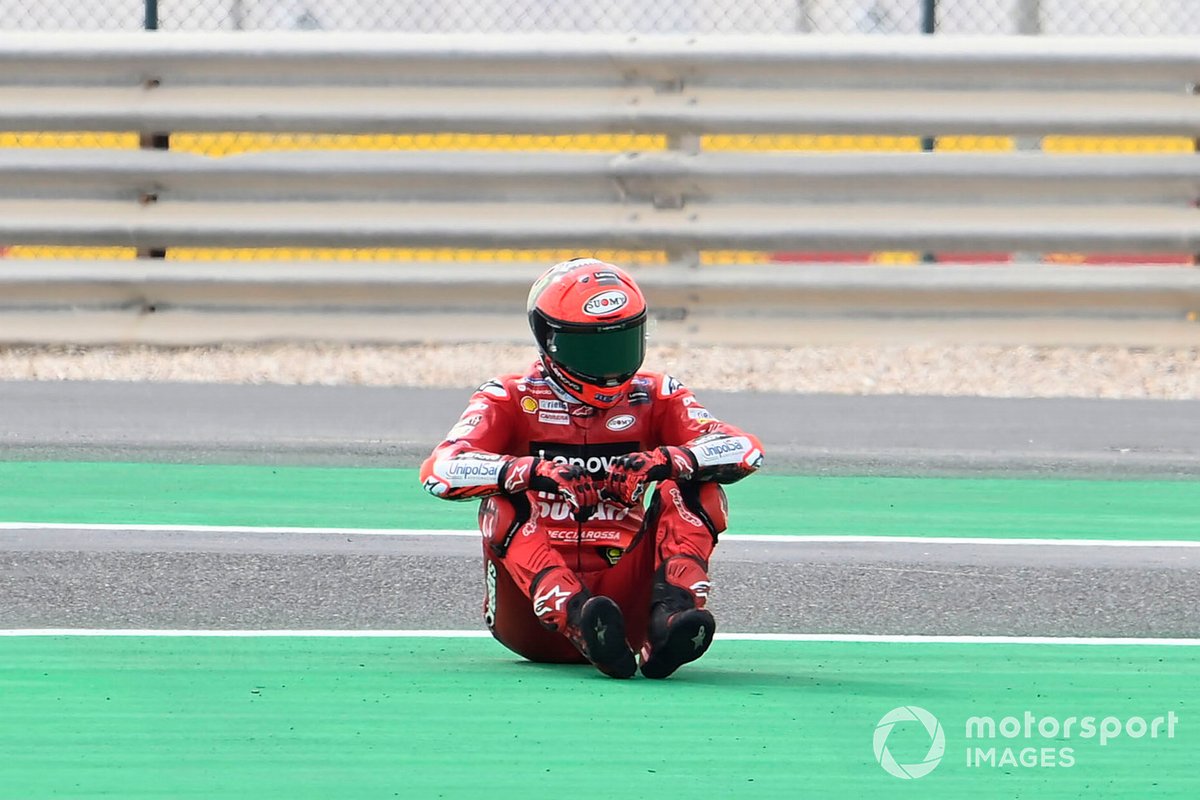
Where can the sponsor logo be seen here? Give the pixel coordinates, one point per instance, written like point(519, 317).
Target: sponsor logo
point(470, 468)
point(701, 588)
point(494, 388)
point(435, 487)
point(554, 596)
point(605, 303)
point(598, 460)
point(606, 398)
point(690, 400)
point(487, 518)
point(937, 742)
point(554, 417)
point(571, 535)
point(516, 476)
point(700, 413)
point(459, 431)
point(684, 513)
point(562, 378)
point(552, 405)
point(591, 464)
point(612, 555)
point(724, 448)
point(529, 405)
point(464, 426)
point(683, 466)
point(670, 386)
point(620, 423)
point(489, 602)
point(638, 397)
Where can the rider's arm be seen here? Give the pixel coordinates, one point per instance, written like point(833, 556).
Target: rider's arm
point(468, 463)
point(723, 453)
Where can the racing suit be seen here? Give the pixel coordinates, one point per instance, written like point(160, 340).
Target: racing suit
point(536, 555)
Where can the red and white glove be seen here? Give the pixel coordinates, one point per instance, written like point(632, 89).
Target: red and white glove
point(568, 481)
point(630, 474)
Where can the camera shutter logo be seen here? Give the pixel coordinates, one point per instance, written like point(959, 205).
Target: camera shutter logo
point(937, 742)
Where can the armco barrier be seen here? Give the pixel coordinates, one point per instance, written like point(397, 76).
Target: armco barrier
point(681, 200)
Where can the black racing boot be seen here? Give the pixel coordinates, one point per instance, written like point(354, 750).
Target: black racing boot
point(678, 631)
point(597, 628)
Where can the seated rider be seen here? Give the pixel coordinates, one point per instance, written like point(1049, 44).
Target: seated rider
point(576, 565)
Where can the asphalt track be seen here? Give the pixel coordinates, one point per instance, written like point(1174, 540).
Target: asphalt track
point(182, 580)
point(813, 434)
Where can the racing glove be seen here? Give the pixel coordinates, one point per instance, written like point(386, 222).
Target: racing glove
point(569, 481)
point(630, 474)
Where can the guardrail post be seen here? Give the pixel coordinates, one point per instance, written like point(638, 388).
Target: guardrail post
point(928, 143)
point(1194, 88)
point(1029, 17)
point(683, 143)
point(152, 141)
point(928, 27)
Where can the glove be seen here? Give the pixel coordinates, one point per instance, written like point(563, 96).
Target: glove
point(629, 475)
point(568, 481)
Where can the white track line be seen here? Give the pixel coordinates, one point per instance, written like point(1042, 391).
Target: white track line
point(247, 529)
point(729, 537)
point(479, 634)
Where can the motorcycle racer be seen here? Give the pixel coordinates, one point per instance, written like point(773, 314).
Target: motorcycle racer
point(576, 565)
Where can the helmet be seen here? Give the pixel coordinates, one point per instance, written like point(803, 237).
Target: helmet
point(589, 320)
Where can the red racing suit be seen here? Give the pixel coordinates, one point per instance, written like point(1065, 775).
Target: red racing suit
point(531, 535)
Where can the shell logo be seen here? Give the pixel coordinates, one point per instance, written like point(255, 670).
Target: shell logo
point(529, 405)
point(605, 303)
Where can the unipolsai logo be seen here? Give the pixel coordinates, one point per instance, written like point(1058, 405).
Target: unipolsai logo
point(933, 729)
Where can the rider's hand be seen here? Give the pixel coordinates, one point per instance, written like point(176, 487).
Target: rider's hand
point(568, 481)
point(630, 474)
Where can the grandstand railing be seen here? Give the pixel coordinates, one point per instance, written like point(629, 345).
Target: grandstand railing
point(680, 197)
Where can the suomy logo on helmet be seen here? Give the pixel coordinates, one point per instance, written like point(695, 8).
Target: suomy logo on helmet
point(605, 303)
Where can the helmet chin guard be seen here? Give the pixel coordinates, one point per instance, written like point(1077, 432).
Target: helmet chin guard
point(589, 320)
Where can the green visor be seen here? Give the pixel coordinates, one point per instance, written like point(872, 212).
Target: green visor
point(604, 357)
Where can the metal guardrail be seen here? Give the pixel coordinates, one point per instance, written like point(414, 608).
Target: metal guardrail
point(198, 303)
point(681, 200)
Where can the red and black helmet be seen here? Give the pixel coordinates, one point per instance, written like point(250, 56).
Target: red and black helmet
point(589, 320)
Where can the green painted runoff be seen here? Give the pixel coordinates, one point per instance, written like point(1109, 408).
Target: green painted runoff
point(460, 718)
point(91, 492)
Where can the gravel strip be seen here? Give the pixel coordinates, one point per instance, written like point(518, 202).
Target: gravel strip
point(980, 371)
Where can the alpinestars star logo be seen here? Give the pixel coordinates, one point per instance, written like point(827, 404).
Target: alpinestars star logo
point(554, 595)
point(516, 477)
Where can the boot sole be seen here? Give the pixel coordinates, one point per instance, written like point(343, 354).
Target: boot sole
point(690, 635)
point(603, 630)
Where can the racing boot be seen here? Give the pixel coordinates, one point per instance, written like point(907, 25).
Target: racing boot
point(597, 629)
point(594, 625)
point(680, 628)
